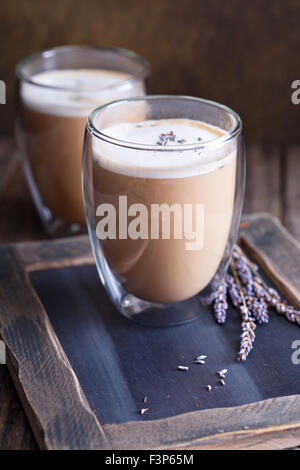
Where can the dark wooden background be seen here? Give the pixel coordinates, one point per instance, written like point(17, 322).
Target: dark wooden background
point(243, 54)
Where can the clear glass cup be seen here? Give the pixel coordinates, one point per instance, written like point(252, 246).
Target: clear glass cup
point(162, 219)
point(51, 115)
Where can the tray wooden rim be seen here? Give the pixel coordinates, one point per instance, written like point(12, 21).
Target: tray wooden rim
point(274, 422)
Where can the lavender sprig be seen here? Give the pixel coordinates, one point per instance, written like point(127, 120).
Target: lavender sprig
point(271, 296)
point(250, 295)
point(233, 291)
point(247, 336)
point(244, 272)
point(290, 313)
point(255, 295)
point(220, 303)
point(248, 324)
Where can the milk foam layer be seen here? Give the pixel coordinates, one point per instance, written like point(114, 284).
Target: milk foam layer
point(162, 163)
point(80, 90)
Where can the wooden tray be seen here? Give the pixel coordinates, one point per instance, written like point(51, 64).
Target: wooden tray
point(82, 370)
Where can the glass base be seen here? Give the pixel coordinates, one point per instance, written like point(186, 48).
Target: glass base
point(144, 312)
point(160, 315)
point(57, 228)
point(53, 226)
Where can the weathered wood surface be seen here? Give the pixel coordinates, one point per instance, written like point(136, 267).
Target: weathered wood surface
point(15, 432)
point(186, 43)
point(40, 255)
point(292, 187)
point(19, 220)
point(272, 423)
point(199, 428)
point(272, 185)
point(21, 310)
point(263, 188)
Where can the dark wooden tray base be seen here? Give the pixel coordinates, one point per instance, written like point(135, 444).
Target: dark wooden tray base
point(82, 370)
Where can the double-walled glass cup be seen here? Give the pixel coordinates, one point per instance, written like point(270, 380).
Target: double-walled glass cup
point(57, 89)
point(162, 215)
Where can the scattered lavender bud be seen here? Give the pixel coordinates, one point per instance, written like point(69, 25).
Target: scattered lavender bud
point(165, 138)
point(182, 368)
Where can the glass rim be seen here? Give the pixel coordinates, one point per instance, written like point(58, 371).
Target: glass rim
point(52, 51)
point(228, 136)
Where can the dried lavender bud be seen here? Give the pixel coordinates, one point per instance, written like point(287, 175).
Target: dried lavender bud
point(200, 359)
point(248, 325)
point(233, 291)
point(259, 289)
point(258, 308)
point(290, 312)
point(182, 368)
point(292, 315)
point(220, 303)
point(273, 293)
point(164, 138)
point(243, 271)
point(272, 298)
point(248, 335)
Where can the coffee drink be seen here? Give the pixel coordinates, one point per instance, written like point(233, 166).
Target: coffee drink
point(172, 204)
point(54, 107)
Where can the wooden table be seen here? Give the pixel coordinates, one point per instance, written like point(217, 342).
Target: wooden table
point(273, 176)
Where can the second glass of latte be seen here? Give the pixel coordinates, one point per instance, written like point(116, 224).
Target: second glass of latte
point(57, 89)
